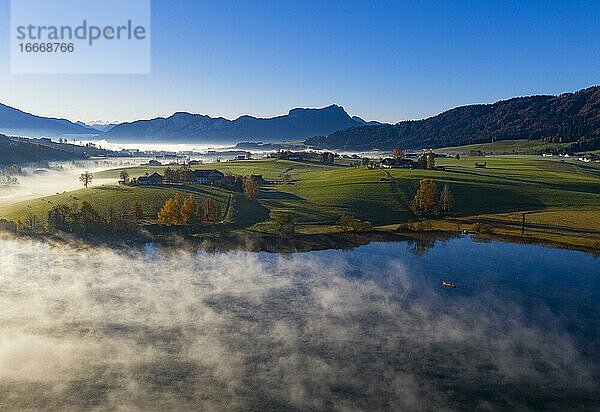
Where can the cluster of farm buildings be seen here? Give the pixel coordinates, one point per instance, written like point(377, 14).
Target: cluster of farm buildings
point(202, 177)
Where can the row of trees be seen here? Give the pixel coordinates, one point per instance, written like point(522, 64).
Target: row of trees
point(186, 211)
point(183, 174)
point(326, 157)
point(323, 157)
point(88, 220)
point(425, 161)
point(428, 202)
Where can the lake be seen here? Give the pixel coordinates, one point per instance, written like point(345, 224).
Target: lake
point(369, 328)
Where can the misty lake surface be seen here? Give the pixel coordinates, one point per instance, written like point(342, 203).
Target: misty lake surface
point(364, 329)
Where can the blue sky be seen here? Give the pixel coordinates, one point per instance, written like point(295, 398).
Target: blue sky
point(385, 60)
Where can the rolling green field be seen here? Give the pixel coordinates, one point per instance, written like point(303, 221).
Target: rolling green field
point(113, 196)
point(506, 147)
point(383, 196)
point(269, 168)
point(562, 197)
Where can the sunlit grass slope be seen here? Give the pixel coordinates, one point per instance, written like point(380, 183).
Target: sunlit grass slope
point(507, 147)
point(113, 196)
point(268, 168)
point(384, 196)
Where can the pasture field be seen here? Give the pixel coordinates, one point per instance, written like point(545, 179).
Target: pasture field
point(268, 168)
point(382, 196)
point(561, 198)
point(506, 147)
point(113, 196)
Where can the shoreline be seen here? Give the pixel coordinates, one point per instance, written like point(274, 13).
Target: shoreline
point(258, 242)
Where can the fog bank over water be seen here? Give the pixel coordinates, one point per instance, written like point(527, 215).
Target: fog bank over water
point(158, 330)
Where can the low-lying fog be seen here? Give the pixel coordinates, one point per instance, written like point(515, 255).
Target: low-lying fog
point(157, 330)
point(59, 177)
point(164, 146)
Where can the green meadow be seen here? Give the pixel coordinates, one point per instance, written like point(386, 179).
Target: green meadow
point(562, 198)
point(269, 168)
point(506, 184)
point(507, 147)
point(113, 196)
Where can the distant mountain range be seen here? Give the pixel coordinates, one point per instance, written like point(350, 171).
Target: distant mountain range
point(18, 123)
point(570, 117)
point(298, 124)
point(99, 126)
point(366, 123)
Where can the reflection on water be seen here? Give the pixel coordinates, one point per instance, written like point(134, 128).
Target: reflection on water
point(365, 329)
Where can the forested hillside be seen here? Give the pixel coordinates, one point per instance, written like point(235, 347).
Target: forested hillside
point(570, 117)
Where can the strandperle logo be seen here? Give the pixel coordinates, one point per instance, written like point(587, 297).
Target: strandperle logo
point(86, 32)
point(80, 36)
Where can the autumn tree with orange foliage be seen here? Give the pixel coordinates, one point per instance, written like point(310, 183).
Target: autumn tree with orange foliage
point(170, 213)
point(189, 211)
